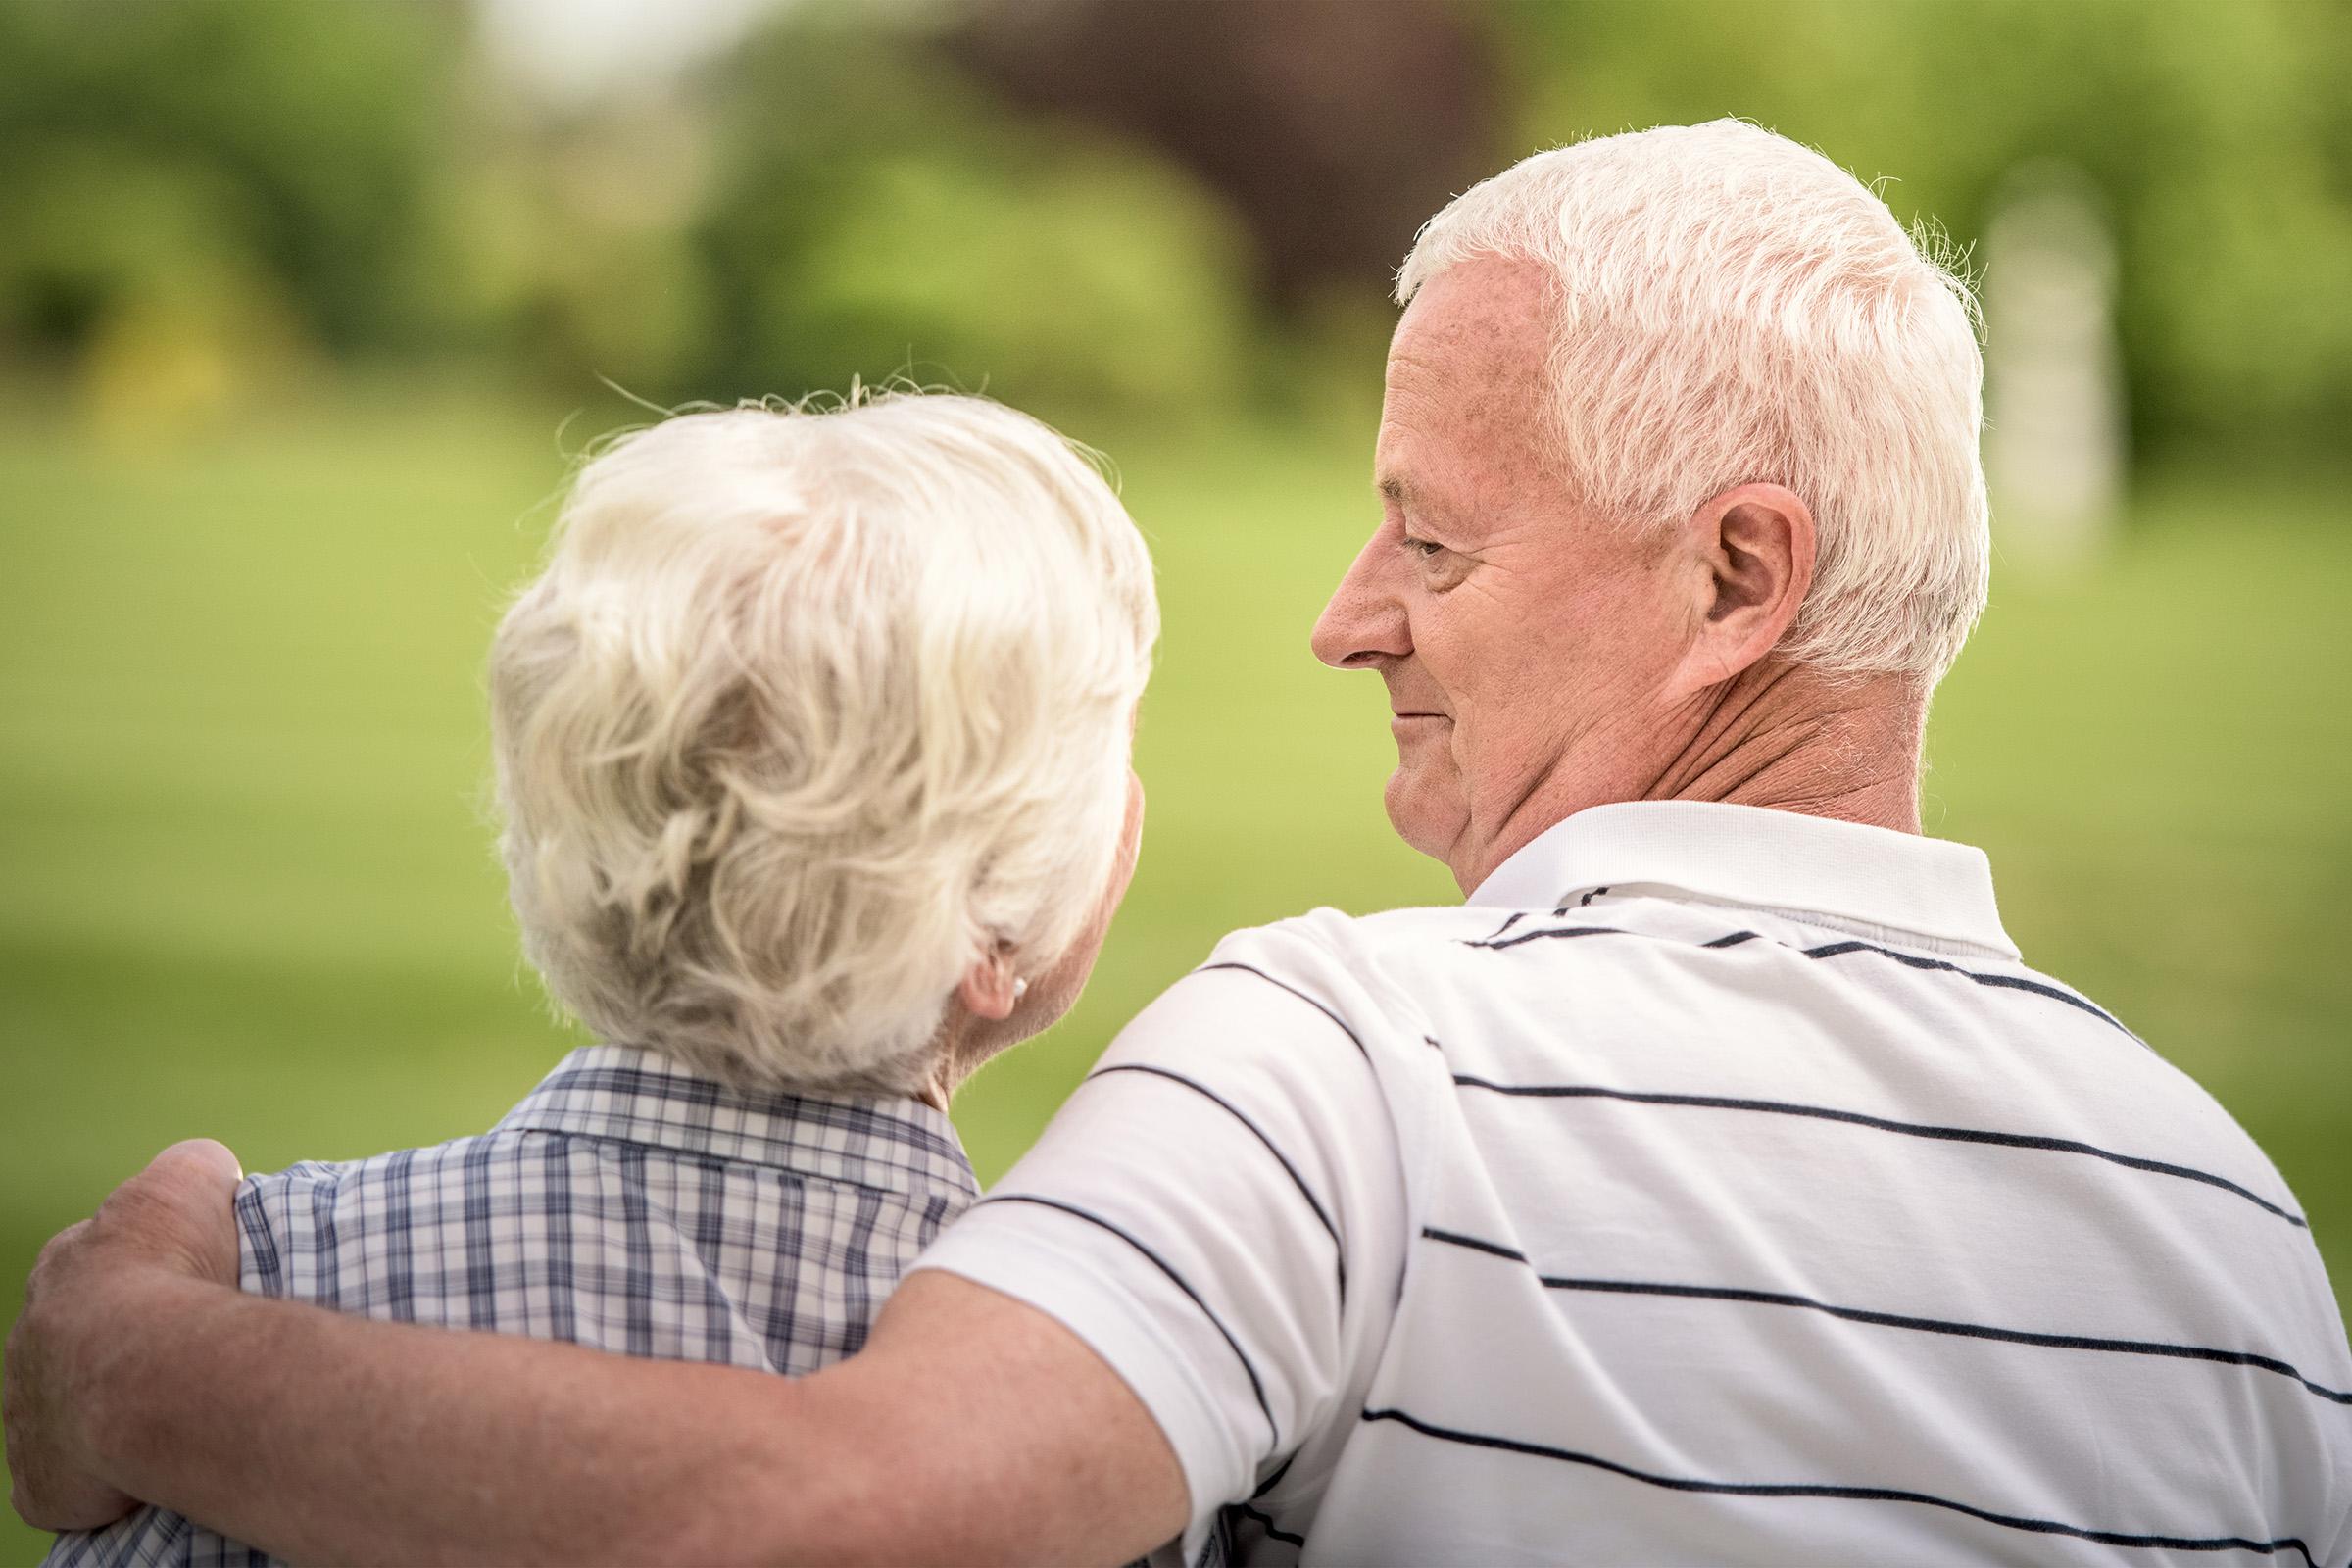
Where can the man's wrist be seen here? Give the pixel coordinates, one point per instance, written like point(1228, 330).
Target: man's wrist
point(127, 1333)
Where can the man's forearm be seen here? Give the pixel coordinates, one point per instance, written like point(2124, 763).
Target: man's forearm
point(325, 1437)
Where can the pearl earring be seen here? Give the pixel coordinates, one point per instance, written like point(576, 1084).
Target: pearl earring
point(1019, 986)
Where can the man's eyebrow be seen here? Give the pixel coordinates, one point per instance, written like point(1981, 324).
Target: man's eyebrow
point(1403, 494)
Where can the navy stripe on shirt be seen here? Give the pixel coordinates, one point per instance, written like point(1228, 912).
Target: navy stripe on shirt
point(1913, 1129)
point(1321, 1215)
point(1894, 1320)
point(1249, 1369)
point(1756, 1488)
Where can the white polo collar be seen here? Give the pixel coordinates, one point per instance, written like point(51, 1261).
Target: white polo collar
point(1764, 860)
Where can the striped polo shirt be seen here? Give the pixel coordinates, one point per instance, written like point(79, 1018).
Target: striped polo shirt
point(1715, 1186)
point(627, 1203)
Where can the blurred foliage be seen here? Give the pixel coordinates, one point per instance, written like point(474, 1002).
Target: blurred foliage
point(877, 210)
point(240, 681)
point(2221, 134)
point(163, 146)
point(201, 198)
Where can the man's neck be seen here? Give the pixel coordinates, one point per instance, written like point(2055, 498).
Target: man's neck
point(1791, 739)
point(1777, 736)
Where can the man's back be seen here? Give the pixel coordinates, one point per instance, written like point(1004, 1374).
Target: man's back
point(626, 1204)
point(1715, 1186)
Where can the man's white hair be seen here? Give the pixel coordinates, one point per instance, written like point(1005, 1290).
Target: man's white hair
point(1733, 308)
point(810, 712)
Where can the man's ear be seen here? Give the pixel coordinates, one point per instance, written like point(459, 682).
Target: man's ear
point(1751, 553)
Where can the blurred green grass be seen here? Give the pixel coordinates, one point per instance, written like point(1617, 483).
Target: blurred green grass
point(251, 896)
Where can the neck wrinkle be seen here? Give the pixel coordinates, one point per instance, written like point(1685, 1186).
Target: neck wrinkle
point(1777, 736)
point(1788, 739)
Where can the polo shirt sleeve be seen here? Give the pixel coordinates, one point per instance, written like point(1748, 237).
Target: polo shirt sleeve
point(1218, 1212)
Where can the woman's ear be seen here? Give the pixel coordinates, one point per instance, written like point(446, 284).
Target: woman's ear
point(1753, 548)
point(989, 988)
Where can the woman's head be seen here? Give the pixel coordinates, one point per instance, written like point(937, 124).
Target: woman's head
point(810, 715)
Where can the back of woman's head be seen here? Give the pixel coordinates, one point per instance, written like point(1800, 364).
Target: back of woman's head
point(809, 713)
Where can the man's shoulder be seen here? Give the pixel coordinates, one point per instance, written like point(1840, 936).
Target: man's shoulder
point(1425, 946)
point(1438, 935)
point(1370, 975)
point(1325, 934)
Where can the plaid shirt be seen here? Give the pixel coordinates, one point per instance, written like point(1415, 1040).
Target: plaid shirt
point(628, 1205)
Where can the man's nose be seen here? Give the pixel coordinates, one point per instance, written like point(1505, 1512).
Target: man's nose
point(1365, 621)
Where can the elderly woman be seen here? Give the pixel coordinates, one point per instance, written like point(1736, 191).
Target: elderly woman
point(812, 748)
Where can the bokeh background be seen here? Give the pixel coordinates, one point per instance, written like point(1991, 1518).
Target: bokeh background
point(306, 307)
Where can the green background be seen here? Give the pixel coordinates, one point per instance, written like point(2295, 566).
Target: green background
point(306, 307)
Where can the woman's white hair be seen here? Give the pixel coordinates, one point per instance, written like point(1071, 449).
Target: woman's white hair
point(810, 712)
point(1733, 308)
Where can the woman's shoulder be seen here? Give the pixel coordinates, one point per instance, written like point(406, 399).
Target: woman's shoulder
point(307, 1230)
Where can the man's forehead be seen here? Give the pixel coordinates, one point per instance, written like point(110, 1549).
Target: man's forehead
point(1466, 380)
point(1488, 307)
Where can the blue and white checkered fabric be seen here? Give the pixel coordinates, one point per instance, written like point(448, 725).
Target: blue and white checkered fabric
point(626, 1204)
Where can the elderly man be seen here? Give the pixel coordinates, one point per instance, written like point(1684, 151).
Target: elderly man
point(1715, 1184)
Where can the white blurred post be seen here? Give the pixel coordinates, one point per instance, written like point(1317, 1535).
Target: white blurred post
point(2054, 408)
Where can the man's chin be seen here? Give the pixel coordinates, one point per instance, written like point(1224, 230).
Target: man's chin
point(1425, 823)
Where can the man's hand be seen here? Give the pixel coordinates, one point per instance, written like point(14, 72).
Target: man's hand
point(174, 1218)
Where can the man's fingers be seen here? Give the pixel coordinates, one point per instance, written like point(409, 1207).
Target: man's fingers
point(48, 1490)
point(177, 1212)
point(52, 1250)
point(197, 1158)
point(181, 1206)
point(197, 1173)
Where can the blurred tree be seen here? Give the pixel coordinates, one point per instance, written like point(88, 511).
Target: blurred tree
point(568, 243)
point(1335, 128)
point(2217, 133)
point(132, 266)
point(877, 212)
point(301, 140)
point(1114, 203)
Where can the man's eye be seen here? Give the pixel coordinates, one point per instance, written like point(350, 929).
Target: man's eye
point(1424, 548)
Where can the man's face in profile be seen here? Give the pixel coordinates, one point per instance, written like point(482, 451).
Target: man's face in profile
point(1523, 645)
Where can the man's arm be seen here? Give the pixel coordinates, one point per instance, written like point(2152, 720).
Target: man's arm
point(1151, 1313)
point(974, 1428)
